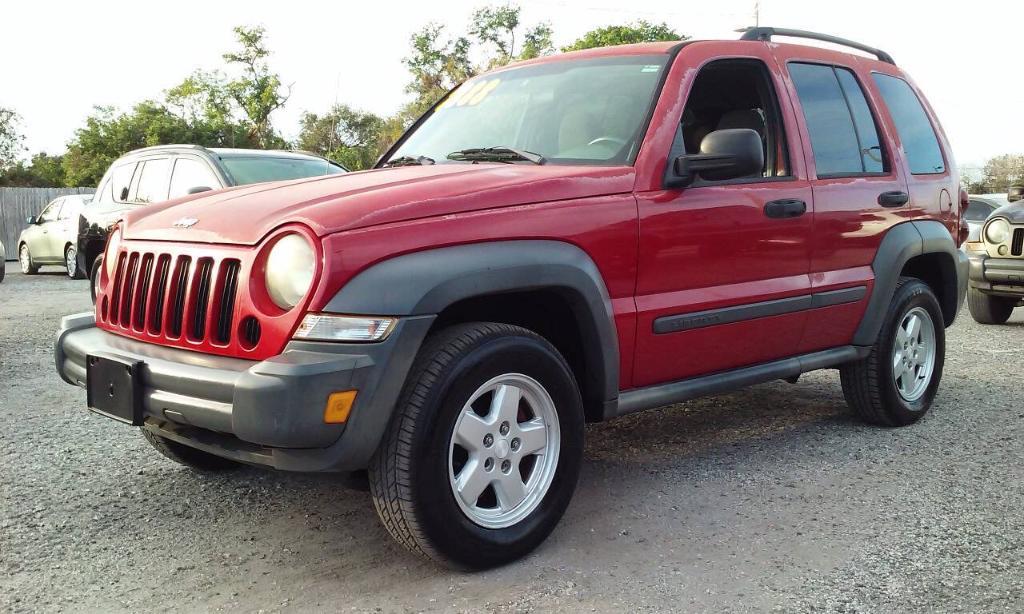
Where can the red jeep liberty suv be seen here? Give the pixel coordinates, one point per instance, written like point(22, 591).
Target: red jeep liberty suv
point(560, 241)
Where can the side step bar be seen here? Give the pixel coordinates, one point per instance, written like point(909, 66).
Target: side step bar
point(658, 395)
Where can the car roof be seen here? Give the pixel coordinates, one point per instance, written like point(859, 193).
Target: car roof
point(749, 39)
point(223, 152)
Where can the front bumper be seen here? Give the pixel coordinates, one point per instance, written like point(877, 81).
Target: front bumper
point(268, 412)
point(997, 276)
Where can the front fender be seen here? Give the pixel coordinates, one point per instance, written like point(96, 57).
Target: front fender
point(427, 282)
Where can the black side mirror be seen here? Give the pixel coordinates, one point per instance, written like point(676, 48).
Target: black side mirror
point(1015, 193)
point(31, 220)
point(724, 154)
point(199, 188)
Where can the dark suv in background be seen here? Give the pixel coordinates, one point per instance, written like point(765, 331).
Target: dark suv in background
point(166, 172)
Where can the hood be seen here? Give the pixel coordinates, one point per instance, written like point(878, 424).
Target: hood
point(1013, 212)
point(244, 215)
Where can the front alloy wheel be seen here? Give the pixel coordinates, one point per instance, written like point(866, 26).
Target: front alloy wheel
point(504, 451)
point(482, 455)
point(25, 258)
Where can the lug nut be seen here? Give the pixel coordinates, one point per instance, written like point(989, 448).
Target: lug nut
point(488, 464)
point(488, 440)
point(506, 466)
point(504, 428)
point(515, 444)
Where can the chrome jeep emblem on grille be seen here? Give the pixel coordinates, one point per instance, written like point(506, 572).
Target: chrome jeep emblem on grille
point(186, 222)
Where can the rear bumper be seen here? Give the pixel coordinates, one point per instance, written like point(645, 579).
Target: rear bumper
point(268, 412)
point(997, 276)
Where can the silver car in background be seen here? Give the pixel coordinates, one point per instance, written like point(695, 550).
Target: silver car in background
point(52, 236)
point(980, 206)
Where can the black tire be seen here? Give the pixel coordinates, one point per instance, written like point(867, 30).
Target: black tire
point(94, 277)
point(409, 475)
point(32, 267)
point(72, 269)
point(191, 457)
point(869, 384)
point(987, 309)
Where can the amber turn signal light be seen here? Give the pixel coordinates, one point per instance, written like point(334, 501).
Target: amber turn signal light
point(339, 404)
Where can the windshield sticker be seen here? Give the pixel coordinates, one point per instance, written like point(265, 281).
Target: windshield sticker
point(484, 92)
point(650, 68)
point(470, 94)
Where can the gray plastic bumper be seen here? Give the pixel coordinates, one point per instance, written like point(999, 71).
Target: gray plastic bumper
point(997, 275)
point(268, 412)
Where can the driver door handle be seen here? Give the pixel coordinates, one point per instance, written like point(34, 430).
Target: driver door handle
point(894, 198)
point(785, 208)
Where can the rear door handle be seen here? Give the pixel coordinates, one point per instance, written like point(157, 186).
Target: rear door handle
point(784, 208)
point(893, 199)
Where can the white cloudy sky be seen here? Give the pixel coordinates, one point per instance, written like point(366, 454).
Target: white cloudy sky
point(60, 58)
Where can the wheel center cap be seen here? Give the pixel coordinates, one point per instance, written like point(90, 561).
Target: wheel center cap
point(501, 448)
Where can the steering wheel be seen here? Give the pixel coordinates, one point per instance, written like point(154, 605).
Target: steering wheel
point(610, 139)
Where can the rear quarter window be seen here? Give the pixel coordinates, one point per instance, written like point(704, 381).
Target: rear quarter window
point(921, 146)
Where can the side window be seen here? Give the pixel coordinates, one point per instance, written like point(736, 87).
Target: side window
point(52, 211)
point(977, 211)
point(844, 137)
point(735, 94)
point(152, 187)
point(915, 129)
point(121, 180)
point(72, 207)
point(191, 173)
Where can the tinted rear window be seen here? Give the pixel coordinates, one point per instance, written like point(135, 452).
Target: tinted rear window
point(834, 140)
point(256, 169)
point(915, 129)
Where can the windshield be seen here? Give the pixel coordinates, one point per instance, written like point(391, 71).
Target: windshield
point(257, 169)
point(570, 112)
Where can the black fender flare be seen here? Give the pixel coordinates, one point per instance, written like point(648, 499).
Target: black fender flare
point(426, 282)
point(900, 244)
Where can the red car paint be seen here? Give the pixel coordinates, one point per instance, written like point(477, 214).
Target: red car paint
point(660, 251)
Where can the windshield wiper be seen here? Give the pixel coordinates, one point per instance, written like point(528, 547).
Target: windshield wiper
point(496, 154)
point(408, 161)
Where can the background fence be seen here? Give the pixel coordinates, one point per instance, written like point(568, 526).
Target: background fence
point(16, 204)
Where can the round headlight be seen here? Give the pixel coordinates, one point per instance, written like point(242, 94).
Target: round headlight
point(113, 244)
point(290, 268)
point(997, 231)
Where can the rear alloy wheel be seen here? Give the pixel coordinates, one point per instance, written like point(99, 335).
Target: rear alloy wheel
point(988, 309)
point(71, 262)
point(896, 383)
point(25, 258)
point(483, 453)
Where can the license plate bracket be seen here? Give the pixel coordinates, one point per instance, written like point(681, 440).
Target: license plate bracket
point(114, 388)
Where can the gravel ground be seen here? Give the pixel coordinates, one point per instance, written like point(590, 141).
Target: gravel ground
point(768, 499)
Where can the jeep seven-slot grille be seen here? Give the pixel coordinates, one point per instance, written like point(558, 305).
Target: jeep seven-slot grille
point(1017, 247)
point(174, 296)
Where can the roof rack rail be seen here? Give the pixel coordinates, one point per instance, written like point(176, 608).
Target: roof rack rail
point(766, 34)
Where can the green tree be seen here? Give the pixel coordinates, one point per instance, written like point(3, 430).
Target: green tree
point(1001, 172)
point(496, 26)
point(258, 90)
point(107, 135)
point(436, 65)
point(10, 138)
point(637, 32)
point(343, 134)
point(43, 171)
point(202, 100)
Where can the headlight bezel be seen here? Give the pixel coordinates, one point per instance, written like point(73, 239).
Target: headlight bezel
point(997, 223)
point(259, 281)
